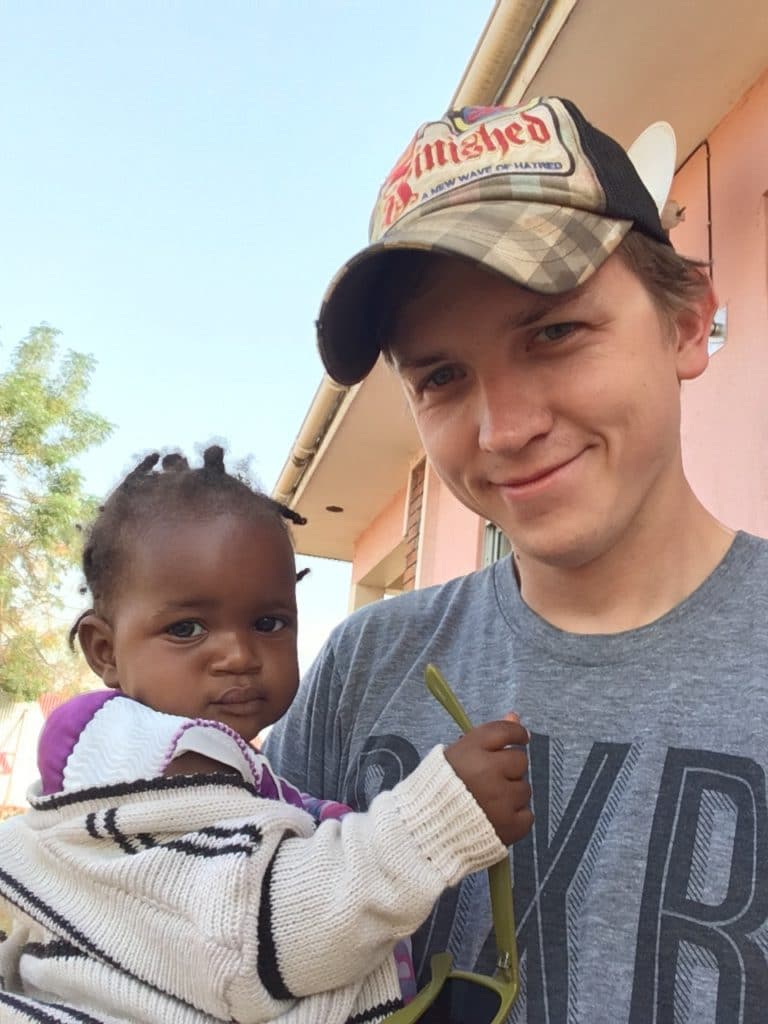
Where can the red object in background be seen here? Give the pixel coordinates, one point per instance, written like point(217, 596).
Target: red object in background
point(50, 701)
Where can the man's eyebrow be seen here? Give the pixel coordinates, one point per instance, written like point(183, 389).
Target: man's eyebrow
point(545, 305)
point(418, 362)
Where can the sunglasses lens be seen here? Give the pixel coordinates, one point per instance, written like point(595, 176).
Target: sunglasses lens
point(463, 1002)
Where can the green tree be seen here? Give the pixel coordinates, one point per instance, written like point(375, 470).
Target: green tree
point(44, 427)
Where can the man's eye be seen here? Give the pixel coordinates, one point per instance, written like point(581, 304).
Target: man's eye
point(556, 332)
point(269, 624)
point(438, 378)
point(185, 630)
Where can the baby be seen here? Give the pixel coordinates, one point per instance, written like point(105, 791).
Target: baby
point(164, 872)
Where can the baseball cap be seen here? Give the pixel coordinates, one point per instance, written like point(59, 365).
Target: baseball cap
point(533, 192)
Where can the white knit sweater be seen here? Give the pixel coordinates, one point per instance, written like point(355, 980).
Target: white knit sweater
point(129, 905)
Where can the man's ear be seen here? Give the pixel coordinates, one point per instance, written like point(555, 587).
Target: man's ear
point(693, 326)
point(97, 641)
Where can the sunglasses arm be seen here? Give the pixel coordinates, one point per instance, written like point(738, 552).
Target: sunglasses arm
point(499, 878)
point(500, 884)
point(440, 967)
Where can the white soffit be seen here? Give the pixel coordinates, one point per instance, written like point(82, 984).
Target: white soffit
point(361, 464)
point(628, 64)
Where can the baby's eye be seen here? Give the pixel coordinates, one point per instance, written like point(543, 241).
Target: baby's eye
point(556, 332)
point(269, 624)
point(187, 629)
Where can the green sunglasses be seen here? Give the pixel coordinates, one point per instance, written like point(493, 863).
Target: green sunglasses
point(461, 997)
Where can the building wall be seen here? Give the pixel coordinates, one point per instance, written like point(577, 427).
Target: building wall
point(725, 412)
point(379, 554)
point(451, 535)
point(382, 535)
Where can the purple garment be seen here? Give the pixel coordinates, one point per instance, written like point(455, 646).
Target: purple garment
point(62, 731)
point(66, 725)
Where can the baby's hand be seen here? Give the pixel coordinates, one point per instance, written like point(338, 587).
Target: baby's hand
point(491, 765)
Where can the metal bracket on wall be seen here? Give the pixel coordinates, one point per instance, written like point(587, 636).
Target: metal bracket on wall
point(719, 331)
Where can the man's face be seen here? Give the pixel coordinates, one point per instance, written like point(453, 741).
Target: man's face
point(204, 622)
point(557, 418)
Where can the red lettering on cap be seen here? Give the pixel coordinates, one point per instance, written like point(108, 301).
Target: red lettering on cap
point(482, 134)
point(397, 202)
point(471, 147)
point(537, 129)
point(514, 133)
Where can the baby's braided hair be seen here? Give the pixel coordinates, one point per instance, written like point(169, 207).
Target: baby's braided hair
point(176, 493)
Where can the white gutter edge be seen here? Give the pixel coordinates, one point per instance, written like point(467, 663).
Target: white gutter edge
point(506, 35)
point(532, 56)
point(319, 417)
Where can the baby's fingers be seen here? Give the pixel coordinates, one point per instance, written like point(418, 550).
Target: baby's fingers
point(497, 735)
point(512, 763)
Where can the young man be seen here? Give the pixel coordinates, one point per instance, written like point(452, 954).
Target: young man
point(520, 283)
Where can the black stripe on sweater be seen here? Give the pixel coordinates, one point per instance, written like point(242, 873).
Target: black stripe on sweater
point(266, 962)
point(109, 826)
point(220, 832)
point(79, 1015)
point(120, 838)
point(382, 1010)
point(194, 843)
point(42, 1012)
point(159, 785)
point(18, 894)
point(58, 948)
point(247, 838)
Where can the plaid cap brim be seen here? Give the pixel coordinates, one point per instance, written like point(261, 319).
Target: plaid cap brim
point(549, 249)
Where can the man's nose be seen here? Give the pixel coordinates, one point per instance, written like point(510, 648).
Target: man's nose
point(512, 411)
point(237, 652)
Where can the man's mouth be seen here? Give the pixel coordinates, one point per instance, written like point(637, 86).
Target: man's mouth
point(537, 479)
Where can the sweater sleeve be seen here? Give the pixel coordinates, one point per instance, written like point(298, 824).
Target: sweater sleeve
point(332, 907)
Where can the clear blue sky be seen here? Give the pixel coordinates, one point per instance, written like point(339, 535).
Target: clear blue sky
point(178, 183)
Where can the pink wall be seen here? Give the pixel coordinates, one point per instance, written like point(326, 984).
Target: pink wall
point(725, 412)
point(380, 537)
point(450, 535)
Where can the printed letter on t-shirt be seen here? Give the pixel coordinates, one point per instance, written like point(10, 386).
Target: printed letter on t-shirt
point(551, 874)
point(384, 761)
point(705, 901)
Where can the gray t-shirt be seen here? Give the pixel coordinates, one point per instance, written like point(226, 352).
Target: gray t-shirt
point(641, 894)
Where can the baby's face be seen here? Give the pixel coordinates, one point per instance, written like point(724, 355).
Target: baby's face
point(204, 621)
